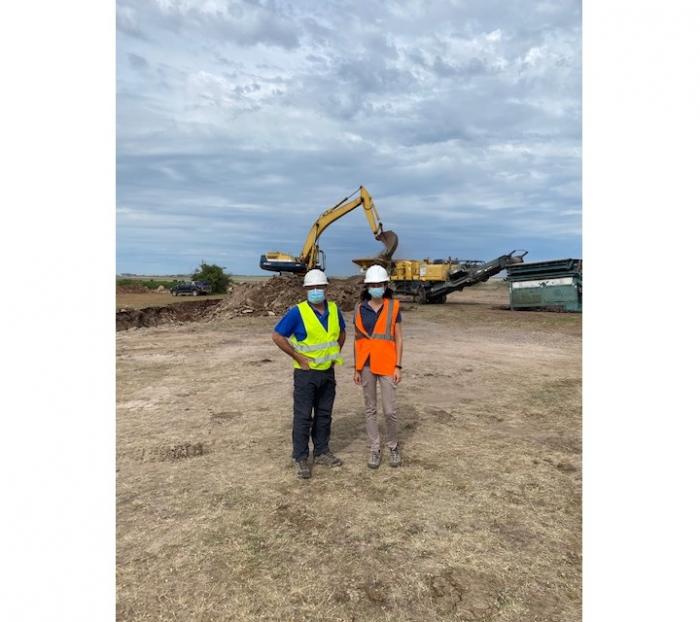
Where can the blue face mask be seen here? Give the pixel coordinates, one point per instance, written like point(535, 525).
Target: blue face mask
point(315, 296)
point(376, 292)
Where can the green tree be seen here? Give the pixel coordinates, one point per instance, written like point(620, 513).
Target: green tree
point(215, 275)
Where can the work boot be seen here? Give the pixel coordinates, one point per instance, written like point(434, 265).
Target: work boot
point(394, 457)
point(375, 459)
point(303, 469)
point(328, 459)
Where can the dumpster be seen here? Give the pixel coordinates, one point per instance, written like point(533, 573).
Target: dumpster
point(555, 285)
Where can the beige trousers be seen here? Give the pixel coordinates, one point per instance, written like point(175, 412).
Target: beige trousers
point(369, 392)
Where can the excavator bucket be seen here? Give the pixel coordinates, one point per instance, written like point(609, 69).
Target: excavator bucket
point(390, 241)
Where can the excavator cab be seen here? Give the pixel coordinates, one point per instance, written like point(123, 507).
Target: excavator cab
point(277, 261)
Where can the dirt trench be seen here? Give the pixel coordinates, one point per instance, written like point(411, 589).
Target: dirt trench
point(168, 314)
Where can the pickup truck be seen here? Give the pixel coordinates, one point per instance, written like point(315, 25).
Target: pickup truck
point(193, 288)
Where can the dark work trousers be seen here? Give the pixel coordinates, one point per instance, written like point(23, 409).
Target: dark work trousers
point(314, 392)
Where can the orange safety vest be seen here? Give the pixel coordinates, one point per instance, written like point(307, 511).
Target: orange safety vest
point(380, 346)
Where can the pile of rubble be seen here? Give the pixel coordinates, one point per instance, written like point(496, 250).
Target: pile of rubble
point(274, 296)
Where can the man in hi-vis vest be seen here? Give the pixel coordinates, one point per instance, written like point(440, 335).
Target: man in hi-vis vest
point(312, 333)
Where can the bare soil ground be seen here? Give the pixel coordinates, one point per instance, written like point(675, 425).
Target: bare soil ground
point(141, 300)
point(481, 522)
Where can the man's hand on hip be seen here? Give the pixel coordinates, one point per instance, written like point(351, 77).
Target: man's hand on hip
point(303, 361)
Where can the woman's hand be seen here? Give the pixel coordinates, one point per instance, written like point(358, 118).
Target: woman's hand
point(397, 375)
point(357, 378)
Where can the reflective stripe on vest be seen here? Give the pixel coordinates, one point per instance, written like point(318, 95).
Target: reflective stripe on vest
point(331, 357)
point(320, 345)
point(387, 329)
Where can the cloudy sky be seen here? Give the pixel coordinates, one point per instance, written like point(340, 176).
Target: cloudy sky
point(238, 122)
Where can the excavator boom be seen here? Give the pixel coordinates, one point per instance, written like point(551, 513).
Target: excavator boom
point(311, 256)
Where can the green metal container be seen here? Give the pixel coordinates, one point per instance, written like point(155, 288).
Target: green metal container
point(555, 285)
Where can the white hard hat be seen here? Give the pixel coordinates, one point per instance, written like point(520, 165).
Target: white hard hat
point(376, 274)
point(315, 277)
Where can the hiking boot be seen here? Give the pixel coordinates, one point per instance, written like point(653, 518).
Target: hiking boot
point(375, 459)
point(394, 457)
point(328, 459)
point(303, 469)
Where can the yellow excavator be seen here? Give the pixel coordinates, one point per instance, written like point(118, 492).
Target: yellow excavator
point(312, 256)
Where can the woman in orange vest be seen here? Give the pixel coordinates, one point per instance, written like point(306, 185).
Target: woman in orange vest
point(378, 352)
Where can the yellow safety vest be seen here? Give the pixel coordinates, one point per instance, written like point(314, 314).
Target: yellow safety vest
point(320, 344)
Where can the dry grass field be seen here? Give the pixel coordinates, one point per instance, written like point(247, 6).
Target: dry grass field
point(482, 522)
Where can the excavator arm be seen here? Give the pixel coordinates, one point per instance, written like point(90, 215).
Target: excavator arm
point(310, 253)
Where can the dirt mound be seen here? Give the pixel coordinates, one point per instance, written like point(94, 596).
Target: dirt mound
point(170, 314)
point(276, 295)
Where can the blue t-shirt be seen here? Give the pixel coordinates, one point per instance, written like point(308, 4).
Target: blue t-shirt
point(369, 316)
point(292, 324)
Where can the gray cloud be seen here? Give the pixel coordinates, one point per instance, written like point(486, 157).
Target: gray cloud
point(250, 118)
point(247, 23)
point(136, 61)
point(127, 22)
